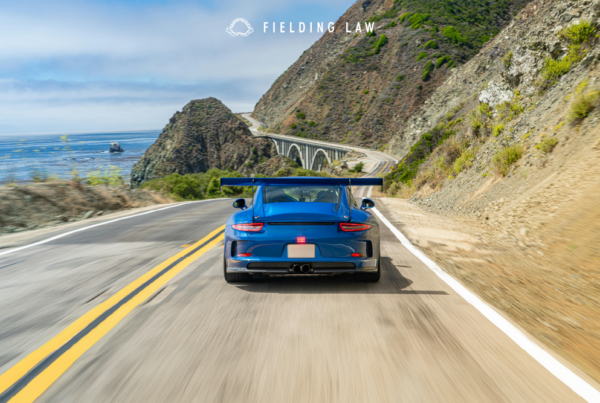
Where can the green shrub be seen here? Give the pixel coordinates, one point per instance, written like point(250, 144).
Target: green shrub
point(554, 69)
point(509, 110)
point(417, 20)
point(440, 61)
point(484, 109)
point(214, 187)
point(547, 144)
point(300, 115)
point(422, 55)
point(507, 59)
point(194, 186)
point(359, 113)
point(380, 43)
point(498, 129)
point(370, 34)
point(581, 106)
point(390, 25)
point(578, 34)
point(400, 77)
point(358, 168)
point(506, 157)
point(366, 92)
point(431, 45)
point(405, 17)
point(450, 64)
point(294, 125)
point(454, 35)
point(475, 121)
point(464, 161)
point(427, 71)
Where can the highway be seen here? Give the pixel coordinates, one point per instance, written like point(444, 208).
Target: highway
point(137, 310)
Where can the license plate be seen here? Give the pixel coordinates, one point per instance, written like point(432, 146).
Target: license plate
point(301, 251)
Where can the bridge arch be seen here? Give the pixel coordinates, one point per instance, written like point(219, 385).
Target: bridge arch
point(318, 158)
point(295, 155)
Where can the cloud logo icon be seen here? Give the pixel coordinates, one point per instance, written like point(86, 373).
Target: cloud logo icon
point(231, 32)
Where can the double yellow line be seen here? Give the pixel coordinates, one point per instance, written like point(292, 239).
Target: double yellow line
point(31, 376)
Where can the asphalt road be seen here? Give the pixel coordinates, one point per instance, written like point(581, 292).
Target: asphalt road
point(195, 338)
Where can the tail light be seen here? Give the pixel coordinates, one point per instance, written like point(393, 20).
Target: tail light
point(254, 227)
point(244, 254)
point(351, 227)
point(357, 255)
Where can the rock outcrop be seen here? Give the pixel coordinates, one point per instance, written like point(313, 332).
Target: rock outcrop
point(205, 135)
point(116, 148)
point(361, 88)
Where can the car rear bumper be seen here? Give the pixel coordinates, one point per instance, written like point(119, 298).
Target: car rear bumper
point(317, 267)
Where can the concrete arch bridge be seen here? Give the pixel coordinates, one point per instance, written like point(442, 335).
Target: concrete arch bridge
point(306, 153)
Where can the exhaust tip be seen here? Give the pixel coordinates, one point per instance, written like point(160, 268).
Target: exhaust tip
point(306, 268)
point(296, 268)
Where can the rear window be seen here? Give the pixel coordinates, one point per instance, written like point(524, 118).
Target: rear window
point(305, 194)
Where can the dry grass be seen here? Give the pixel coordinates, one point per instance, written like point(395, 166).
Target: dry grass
point(38, 205)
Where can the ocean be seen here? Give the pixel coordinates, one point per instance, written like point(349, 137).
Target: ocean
point(24, 156)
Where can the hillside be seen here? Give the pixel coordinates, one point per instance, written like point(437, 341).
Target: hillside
point(361, 88)
point(506, 153)
point(205, 135)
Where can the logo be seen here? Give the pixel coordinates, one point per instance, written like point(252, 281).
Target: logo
point(231, 32)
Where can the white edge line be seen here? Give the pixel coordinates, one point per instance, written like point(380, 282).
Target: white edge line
point(98, 225)
point(578, 385)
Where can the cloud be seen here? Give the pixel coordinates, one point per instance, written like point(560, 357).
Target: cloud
point(94, 57)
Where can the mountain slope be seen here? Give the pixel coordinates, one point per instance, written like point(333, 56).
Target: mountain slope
point(360, 88)
point(509, 148)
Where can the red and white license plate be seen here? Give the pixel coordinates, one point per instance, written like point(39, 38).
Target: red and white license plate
point(301, 251)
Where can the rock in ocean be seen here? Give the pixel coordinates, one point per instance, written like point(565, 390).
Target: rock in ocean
point(116, 148)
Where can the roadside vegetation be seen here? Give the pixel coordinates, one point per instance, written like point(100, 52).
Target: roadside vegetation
point(451, 147)
point(506, 157)
point(576, 36)
point(583, 103)
point(207, 185)
point(547, 144)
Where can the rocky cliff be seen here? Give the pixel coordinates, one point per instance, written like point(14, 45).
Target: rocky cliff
point(205, 135)
point(361, 87)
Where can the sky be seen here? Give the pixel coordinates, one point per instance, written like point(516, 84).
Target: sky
point(111, 65)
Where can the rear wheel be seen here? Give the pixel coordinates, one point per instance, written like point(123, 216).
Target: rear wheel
point(235, 277)
point(370, 277)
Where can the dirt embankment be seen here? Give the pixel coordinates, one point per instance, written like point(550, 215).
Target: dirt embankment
point(534, 251)
point(507, 202)
point(39, 205)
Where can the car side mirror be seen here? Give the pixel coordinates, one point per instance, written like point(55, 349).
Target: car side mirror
point(239, 203)
point(367, 203)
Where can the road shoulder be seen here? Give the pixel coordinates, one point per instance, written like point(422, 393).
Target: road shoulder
point(487, 269)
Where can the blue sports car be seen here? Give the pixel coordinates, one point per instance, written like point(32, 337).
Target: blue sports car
point(302, 226)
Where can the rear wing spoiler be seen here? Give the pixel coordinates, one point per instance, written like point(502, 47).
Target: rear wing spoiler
point(302, 180)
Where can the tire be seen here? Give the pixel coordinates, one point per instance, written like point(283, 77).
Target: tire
point(370, 277)
point(235, 277)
